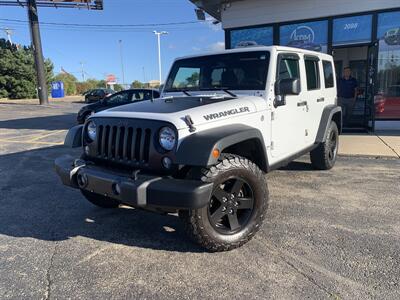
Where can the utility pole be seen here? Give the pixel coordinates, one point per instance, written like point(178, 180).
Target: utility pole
point(144, 76)
point(122, 63)
point(159, 34)
point(37, 52)
point(83, 72)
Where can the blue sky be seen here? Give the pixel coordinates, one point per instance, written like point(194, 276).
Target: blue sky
point(99, 50)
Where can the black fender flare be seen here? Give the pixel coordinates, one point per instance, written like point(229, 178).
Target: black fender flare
point(196, 149)
point(329, 112)
point(74, 137)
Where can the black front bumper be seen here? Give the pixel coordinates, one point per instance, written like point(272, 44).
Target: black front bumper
point(141, 191)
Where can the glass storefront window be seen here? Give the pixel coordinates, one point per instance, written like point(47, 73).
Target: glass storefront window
point(251, 37)
point(352, 30)
point(311, 36)
point(387, 100)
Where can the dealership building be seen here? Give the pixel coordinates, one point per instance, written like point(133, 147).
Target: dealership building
point(361, 34)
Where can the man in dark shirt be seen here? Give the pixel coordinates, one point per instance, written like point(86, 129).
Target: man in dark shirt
point(347, 93)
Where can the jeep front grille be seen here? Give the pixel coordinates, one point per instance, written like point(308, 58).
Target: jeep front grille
point(125, 144)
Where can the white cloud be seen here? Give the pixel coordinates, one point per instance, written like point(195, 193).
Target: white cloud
point(218, 46)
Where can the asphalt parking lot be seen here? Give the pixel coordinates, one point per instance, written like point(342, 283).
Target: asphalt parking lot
point(327, 235)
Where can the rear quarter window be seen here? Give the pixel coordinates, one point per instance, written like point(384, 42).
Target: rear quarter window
point(328, 74)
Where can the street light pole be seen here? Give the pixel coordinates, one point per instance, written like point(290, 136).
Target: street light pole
point(37, 52)
point(159, 34)
point(122, 63)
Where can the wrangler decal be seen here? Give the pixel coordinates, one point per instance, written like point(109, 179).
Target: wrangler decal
point(226, 113)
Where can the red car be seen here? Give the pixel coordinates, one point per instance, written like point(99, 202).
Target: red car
point(387, 104)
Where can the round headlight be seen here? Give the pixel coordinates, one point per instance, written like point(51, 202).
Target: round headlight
point(167, 138)
point(91, 131)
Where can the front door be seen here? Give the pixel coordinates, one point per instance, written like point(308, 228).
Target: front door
point(288, 121)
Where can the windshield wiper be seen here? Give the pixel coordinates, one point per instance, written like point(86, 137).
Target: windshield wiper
point(227, 91)
point(186, 93)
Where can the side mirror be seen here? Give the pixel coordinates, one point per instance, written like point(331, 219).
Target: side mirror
point(284, 87)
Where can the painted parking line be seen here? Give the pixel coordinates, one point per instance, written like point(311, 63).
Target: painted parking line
point(44, 135)
point(31, 142)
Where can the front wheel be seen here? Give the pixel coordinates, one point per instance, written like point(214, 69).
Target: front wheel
point(236, 209)
point(324, 156)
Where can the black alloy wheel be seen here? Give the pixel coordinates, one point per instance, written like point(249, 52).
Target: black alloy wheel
point(231, 206)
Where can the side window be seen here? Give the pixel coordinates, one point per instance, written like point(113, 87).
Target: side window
point(328, 74)
point(312, 72)
point(288, 69)
point(118, 98)
point(137, 96)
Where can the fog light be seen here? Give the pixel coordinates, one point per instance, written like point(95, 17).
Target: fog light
point(166, 162)
point(116, 189)
point(87, 150)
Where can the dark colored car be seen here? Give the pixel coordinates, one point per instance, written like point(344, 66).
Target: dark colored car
point(117, 99)
point(387, 103)
point(305, 45)
point(97, 95)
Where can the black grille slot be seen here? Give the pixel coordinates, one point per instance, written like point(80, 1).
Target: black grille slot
point(125, 144)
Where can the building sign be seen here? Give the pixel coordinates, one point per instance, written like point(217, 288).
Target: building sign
point(251, 37)
point(352, 30)
point(111, 79)
point(311, 36)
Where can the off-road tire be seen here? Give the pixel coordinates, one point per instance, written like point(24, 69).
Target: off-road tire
point(100, 200)
point(324, 156)
point(197, 222)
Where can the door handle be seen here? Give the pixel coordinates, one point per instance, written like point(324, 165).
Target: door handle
point(302, 103)
point(321, 99)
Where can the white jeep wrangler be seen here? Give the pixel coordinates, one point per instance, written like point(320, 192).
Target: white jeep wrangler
point(203, 148)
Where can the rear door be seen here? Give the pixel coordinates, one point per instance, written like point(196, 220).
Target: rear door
point(315, 100)
point(287, 124)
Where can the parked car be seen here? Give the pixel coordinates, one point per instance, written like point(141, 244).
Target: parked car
point(117, 99)
point(305, 45)
point(87, 92)
point(387, 103)
point(98, 94)
point(202, 150)
point(392, 36)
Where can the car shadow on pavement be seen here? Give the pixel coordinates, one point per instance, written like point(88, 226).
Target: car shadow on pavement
point(35, 204)
point(298, 166)
point(57, 122)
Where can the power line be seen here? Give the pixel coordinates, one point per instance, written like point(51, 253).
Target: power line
point(107, 25)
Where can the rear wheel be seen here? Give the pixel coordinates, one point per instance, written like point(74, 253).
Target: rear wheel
point(100, 200)
point(236, 209)
point(324, 156)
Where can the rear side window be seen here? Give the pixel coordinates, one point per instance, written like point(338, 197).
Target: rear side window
point(312, 72)
point(328, 74)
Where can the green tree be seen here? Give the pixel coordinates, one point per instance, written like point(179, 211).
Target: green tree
point(17, 71)
point(69, 82)
point(118, 87)
point(136, 84)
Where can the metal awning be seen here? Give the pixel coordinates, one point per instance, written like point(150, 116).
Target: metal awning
point(213, 7)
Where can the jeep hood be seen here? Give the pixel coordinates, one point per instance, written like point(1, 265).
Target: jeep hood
point(200, 109)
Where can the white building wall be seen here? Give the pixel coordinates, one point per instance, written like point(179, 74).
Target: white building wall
point(256, 12)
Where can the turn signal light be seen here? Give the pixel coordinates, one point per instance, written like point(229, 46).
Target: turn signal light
point(216, 153)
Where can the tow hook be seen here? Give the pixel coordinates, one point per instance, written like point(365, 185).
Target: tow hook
point(78, 163)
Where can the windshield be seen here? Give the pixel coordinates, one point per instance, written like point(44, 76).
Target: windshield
point(233, 71)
